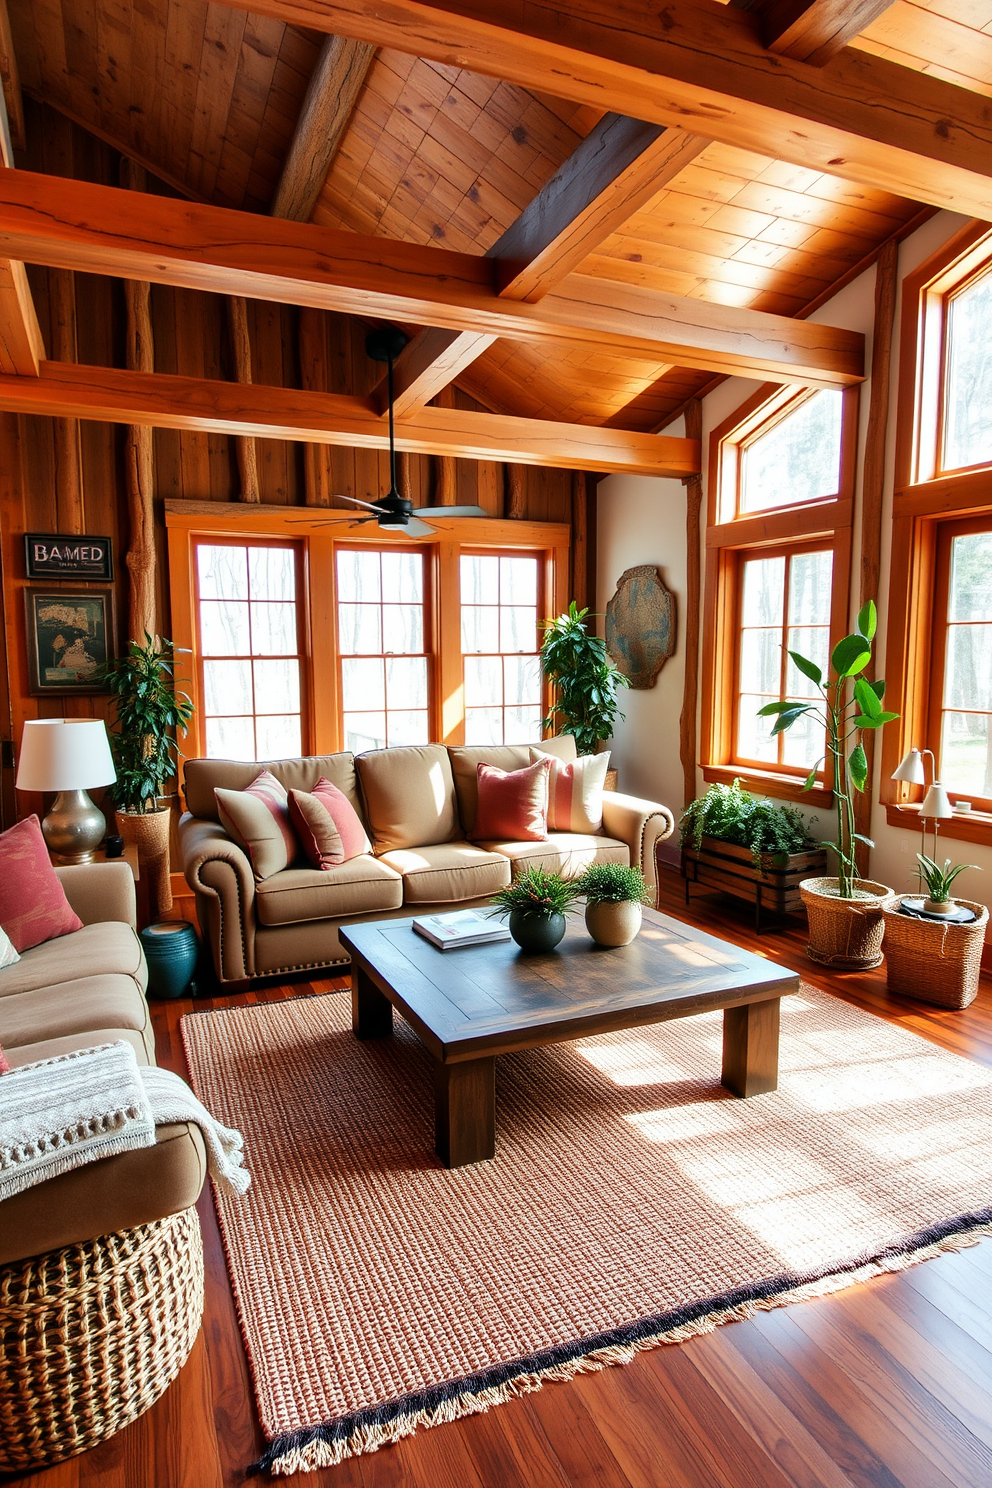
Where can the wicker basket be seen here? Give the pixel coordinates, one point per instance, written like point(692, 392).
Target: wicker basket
point(92, 1335)
point(844, 933)
point(931, 962)
point(149, 831)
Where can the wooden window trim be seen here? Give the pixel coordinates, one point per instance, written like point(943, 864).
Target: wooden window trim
point(545, 579)
point(827, 521)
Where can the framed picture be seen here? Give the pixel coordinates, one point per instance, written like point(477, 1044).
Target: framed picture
point(70, 636)
point(49, 556)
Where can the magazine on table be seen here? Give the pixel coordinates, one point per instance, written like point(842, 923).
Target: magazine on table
point(461, 927)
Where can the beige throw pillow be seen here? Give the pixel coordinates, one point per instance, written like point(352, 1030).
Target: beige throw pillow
point(575, 791)
point(258, 821)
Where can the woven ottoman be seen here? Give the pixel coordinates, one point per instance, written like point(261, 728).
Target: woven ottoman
point(934, 962)
point(92, 1335)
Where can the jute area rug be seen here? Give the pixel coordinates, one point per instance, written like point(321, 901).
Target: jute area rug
point(632, 1202)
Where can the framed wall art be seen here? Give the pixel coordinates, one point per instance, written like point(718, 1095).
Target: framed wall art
point(70, 634)
point(640, 625)
point(49, 556)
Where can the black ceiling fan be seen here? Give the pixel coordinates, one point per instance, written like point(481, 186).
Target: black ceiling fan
point(393, 512)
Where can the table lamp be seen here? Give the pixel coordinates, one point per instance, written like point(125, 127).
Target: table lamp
point(69, 756)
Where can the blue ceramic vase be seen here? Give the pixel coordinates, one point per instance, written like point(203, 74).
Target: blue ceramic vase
point(171, 949)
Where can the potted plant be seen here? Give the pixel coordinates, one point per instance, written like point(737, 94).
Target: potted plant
point(750, 848)
point(585, 681)
point(536, 903)
point(148, 714)
point(933, 947)
point(614, 894)
point(845, 913)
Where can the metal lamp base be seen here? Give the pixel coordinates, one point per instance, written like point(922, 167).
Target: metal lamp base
point(74, 828)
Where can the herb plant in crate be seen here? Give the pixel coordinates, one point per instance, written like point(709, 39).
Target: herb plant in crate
point(933, 946)
point(614, 894)
point(846, 924)
point(749, 848)
point(536, 903)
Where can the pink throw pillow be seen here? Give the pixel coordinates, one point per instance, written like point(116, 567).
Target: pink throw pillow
point(4, 1066)
point(513, 804)
point(328, 826)
point(33, 906)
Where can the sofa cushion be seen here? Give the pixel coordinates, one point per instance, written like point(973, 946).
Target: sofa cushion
point(448, 872)
point(33, 906)
point(513, 804)
point(575, 792)
point(201, 777)
point(84, 1006)
point(257, 818)
point(329, 828)
point(92, 951)
point(466, 759)
point(355, 887)
point(51, 1048)
point(567, 853)
point(409, 796)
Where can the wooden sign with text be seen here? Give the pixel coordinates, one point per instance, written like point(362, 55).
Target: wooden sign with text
point(50, 556)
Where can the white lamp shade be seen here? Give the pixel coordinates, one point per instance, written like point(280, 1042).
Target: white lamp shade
point(910, 768)
point(936, 802)
point(64, 754)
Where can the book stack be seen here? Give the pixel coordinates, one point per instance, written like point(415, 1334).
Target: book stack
point(462, 927)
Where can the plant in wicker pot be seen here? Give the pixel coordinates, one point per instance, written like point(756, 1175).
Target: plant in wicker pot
point(614, 894)
point(585, 680)
point(846, 923)
point(933, 946)
point(536, 903)
point(148, 715)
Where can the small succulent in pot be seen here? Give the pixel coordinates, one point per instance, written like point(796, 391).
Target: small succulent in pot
point(938, 882)
point(614, 894)
point(536, 903)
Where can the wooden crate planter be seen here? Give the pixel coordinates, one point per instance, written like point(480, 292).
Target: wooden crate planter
point(775, 886)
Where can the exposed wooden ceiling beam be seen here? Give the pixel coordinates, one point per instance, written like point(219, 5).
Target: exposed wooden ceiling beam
point(11, 80)
point(327, 108)
point(813, 31)
point(110, 395)
point(618, 167)
point(21, 345)
point(103, 230)
point(702, 67)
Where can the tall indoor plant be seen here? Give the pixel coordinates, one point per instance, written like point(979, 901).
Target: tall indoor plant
point(846, 924)
point(585, 680)
point(149, 713)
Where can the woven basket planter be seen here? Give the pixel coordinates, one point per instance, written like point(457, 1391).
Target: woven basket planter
point(844, 933)
point(149, 831)
point(92, 1335)
point(934, 963)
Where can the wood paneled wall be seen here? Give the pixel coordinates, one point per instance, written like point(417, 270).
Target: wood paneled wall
point(191, 337)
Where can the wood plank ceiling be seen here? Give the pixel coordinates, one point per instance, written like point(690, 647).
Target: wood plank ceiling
point(208, 97)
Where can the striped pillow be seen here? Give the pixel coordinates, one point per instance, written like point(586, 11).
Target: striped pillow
point(575, 791)
point(328, 826)
point(258, 820)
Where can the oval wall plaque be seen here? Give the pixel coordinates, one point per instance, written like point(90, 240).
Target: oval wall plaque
point(640, 625)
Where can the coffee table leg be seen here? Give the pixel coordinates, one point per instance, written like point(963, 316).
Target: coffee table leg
point(750, 1047)
point(465, 1111)
point(371, 1013)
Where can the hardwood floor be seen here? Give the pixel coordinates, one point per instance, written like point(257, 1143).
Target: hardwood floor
point(884, 1385)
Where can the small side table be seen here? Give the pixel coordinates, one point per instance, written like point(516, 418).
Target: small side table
point(172, 949)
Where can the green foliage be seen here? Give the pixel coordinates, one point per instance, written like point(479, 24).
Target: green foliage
point(844, 717)
point(585, 680)
point(939, 880)
point(613, 883)
point(535, 892)
point(148, 714)
point(731, 814)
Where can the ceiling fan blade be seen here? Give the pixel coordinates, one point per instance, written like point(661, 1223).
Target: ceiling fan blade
point(330, 521)
point(449, 511)
point(355, 500)
point(416, 528)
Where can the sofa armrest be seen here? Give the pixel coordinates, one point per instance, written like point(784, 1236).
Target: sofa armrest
point(100, 891)
point(220, 875)
point(641, 824)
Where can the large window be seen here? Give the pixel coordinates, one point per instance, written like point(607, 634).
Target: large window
point(961, 690)
point(499, 610)
point(967, 382)
point(796, 460)
point(249, 647)
point(382, 640)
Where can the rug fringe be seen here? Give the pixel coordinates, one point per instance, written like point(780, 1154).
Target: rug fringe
point(334, 1441)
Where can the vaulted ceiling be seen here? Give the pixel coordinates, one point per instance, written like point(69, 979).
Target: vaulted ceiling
point(209, 97)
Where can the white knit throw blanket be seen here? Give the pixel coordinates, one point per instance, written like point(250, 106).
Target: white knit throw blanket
point(77, 1108)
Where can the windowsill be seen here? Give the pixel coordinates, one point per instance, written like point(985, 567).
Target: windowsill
point(770, 783)
point(968, 826)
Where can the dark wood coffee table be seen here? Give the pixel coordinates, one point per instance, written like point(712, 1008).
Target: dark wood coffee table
point(469, 1005)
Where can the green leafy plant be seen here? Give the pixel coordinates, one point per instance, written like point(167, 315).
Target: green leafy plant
point(148, 714)
point(938, 880)
point(585, 679)
point(731, 814)
point(535, 892)
point(613, 883)
point(845, 719)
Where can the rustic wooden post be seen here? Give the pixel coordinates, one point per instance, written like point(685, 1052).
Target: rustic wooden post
point(515, 494)
point(68, 459)
point(244, 445)
point(313, 378)
point(690, 690)
point(139, 467)
point(445, 469)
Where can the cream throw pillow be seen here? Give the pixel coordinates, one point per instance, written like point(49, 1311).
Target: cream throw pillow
point(258, 821)
point(575, 791)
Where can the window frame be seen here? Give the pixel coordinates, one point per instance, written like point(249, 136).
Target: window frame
point(731, 538)
point(468, 550)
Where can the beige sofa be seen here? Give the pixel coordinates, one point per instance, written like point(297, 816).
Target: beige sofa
point(83, 989)
point(418, 805)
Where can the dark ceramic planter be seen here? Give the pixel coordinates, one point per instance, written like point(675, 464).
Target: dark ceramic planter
point(171, 949)
point(536, 932)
